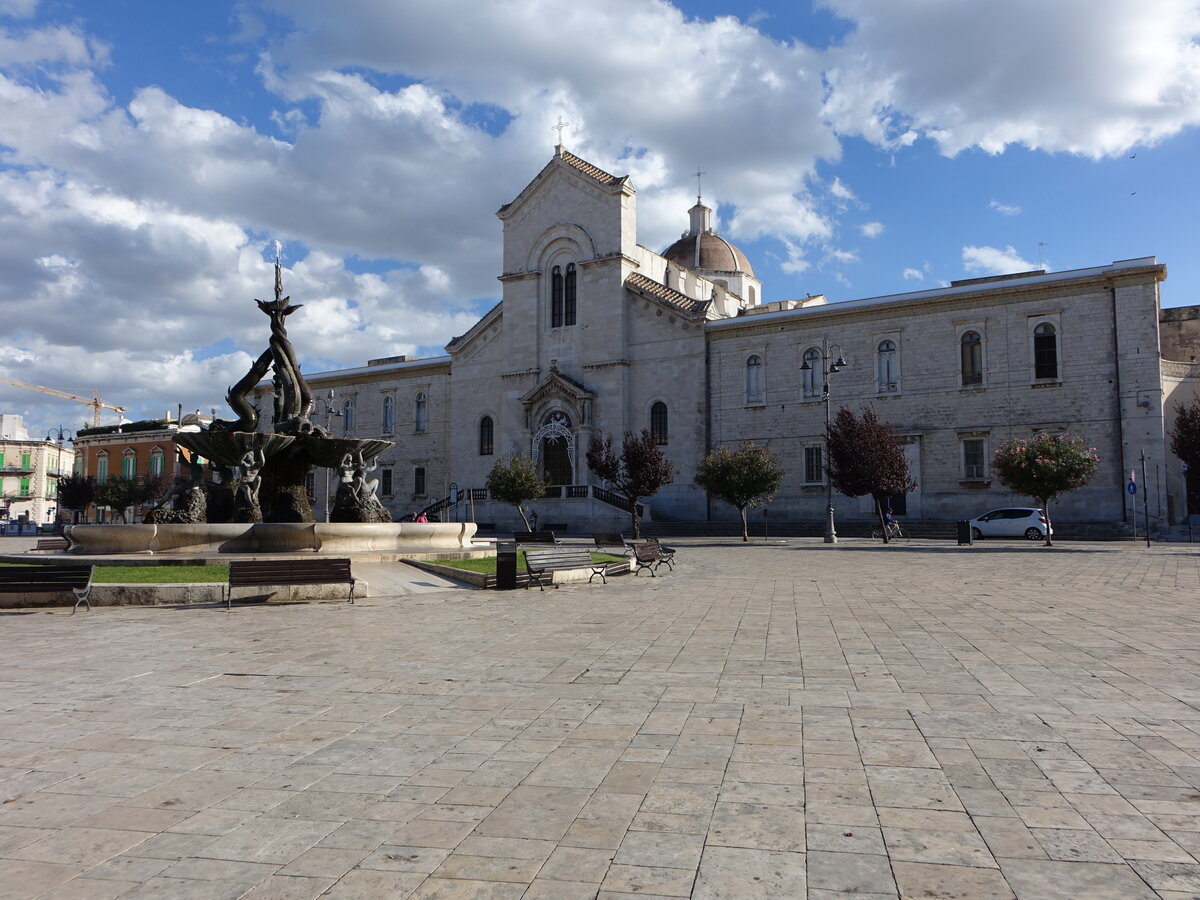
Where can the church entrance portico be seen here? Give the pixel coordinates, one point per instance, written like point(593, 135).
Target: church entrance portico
point(553, 448)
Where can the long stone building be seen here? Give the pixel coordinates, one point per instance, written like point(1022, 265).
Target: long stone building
point(597, 333)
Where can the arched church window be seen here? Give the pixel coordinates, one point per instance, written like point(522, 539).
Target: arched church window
point(389, 415)
point(486, 436)
point(810, 371)
point(754, 379)
point(658, 422)
point(556, 297)
point(1045, 351)
point(569, 298)
point(889, 366)
point(750, 295)
point(421, 413)
point(348, 417)
point(971, 352)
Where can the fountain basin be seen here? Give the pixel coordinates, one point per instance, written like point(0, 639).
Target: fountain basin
point(266, 538)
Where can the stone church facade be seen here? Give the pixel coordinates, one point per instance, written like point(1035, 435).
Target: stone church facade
point(597, 334)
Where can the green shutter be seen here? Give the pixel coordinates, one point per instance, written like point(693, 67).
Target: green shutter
point(24, 460)
point(24, 487)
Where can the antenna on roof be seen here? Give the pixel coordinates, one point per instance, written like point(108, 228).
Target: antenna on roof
point(697, 175)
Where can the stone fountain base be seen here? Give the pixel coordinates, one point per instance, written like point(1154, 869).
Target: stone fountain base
point(321, 537)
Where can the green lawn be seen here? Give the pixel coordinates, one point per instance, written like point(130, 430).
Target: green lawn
point(159, 574)
point(486, 565)
point(155, 574)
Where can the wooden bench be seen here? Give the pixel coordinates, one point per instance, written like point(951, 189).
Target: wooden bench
point(666, 554)
point(287, 572)
point(650, 556)
point(535, 539)
point(612, 543)
point(45, 579)
point(54, 543)
point(543, 563)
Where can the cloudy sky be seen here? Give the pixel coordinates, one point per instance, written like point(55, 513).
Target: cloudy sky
point(151, 153)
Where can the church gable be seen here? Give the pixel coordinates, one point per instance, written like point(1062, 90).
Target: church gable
point(464, 346)
point(566, 162)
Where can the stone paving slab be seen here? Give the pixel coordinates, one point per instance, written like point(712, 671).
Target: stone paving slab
point(770, 720)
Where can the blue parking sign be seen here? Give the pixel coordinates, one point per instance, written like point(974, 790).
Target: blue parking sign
point(1132, 487)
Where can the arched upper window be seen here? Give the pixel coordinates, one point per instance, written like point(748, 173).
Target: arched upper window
point(421, 412)
point(569, 298)
point(157, 460)
point(658, 422)
point(754, 379)
point(556, 297)
point(389, 414)
point(129, 464)
point(812, 383)
point(1045, 351)
point(486, 436)
point(971, 353)
point(750, 295)
point(348, 417)
point(889, 366)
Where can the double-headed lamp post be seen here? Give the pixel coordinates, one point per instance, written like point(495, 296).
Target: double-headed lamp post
point(827, 368)
point(63, 435)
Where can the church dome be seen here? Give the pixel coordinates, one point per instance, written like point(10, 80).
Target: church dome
point(708, 251)
point(702, 248)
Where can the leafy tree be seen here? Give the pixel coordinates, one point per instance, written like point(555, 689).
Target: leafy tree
point(516, 480)
point(867, 458)
point(76, 492)
point(1185, 436)
point(746, 477)
point(1044, 467)
point(117, 494)
point(149, 488)
point(639, 470)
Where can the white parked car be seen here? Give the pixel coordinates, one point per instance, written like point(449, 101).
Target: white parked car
point(1024, 522)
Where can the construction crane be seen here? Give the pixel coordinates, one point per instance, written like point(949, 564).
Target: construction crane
point(95, 402)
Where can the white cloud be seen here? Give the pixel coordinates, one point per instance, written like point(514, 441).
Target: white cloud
point(1092, 77)
point(871, 229)
point(840, 190)
point(1004, 209)
point(18, 9)
point(911, 274)
point(994, 261)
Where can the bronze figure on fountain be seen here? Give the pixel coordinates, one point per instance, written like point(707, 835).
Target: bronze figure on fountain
point(263, 474)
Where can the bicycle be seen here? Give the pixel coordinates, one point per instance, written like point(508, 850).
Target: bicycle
point(895, 533)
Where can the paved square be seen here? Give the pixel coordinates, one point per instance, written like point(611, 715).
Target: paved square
point(770, 720)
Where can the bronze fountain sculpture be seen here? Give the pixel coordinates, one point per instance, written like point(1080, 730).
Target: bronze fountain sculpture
point(262, 474)
point(242, 487)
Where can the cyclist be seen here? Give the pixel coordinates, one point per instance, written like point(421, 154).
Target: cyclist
point(889, 521)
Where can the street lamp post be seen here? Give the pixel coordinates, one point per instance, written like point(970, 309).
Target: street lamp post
point(331, 410)
point(827, 368)
point(60, 436)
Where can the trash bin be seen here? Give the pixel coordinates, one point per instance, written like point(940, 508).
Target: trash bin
point(964, 533)
point(506, 565)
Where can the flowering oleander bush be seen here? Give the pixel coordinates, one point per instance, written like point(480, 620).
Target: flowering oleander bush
point(1045, 466)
